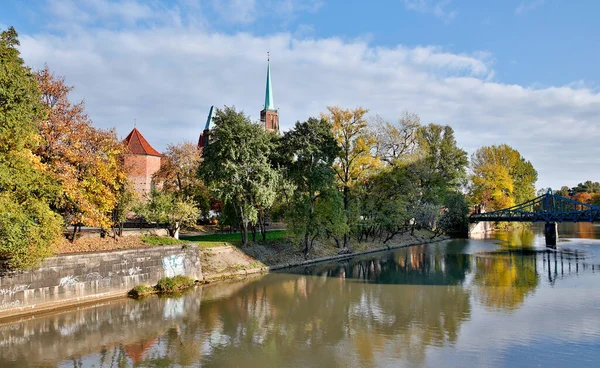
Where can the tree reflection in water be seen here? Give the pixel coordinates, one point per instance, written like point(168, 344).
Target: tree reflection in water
point(389, 306)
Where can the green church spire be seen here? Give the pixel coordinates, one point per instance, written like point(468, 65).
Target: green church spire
point(269, 105)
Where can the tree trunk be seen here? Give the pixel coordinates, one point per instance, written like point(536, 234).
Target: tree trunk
point(306, 244)
point(347, 211)
point(254, 232)
point(75, 230)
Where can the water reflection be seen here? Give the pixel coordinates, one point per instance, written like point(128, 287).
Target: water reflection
point(397, 308)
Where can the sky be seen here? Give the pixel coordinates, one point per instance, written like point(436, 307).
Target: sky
point(519, 72)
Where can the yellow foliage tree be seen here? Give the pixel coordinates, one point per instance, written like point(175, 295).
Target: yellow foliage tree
point(356, 160)
point(86, 161)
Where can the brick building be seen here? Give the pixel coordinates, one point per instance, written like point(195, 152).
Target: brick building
point(141, 162)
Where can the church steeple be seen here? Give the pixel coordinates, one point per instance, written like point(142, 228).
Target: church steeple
point(269, 105)
point(269, 115)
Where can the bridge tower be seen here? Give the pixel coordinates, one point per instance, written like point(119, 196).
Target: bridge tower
point(551, 234)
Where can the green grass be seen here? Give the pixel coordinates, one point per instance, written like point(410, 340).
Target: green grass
point(167, 285)
point(174, 284)
point(162, 240)
point(219, 239)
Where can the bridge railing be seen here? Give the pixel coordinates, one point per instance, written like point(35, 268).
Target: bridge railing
point(545, 208)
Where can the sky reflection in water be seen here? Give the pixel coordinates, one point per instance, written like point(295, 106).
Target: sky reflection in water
point(504, 301)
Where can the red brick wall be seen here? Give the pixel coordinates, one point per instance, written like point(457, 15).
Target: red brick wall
point(139, 169)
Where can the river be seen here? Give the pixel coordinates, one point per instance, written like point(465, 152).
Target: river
point(502, 301)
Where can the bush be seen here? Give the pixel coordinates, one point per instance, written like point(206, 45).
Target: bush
point(141, 290)
point(174, 284)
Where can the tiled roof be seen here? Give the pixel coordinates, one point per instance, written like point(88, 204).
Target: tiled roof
point(138, 145)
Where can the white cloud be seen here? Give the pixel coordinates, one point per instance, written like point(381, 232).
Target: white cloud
point(528, 6)
point(167, 77)
point(437, 8)
point(236, 11)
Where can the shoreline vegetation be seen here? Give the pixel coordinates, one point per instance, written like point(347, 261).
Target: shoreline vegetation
point(223, 258)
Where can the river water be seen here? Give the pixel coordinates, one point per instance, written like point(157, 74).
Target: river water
point(502, 301)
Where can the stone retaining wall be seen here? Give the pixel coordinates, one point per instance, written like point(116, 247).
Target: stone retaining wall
point(76, 278)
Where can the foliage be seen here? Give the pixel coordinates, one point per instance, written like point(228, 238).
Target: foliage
point(165, 208)
point(237, 166)
point(309, 150)
point(454, 220)
point(355, 161)
point(28, 226)
point(179, 174)
point(141, 290)
point(174, 284)
point(442, 163)
point(86, 161)
point(501, 177)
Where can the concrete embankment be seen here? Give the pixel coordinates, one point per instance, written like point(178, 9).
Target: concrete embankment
point(72, 279)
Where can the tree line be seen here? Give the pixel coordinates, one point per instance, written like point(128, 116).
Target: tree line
point(338, 177)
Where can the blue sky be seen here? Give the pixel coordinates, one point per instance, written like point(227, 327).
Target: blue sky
point(496, 71)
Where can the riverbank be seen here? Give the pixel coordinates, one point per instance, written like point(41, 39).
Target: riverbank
point(97, 271)
point(227, 261)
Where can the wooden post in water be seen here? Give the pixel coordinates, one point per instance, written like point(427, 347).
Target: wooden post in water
point(551, 233)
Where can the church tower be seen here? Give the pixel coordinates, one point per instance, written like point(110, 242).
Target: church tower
point(269, 115)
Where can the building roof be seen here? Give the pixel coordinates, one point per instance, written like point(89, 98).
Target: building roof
point(269, 104)
point(138, 145)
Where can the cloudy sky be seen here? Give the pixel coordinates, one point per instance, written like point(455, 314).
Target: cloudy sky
point(521, 72)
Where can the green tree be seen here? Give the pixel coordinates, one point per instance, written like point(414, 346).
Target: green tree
point(310, 150)
point(237, 167)
point(454, 220)
point(501, 177)
point(166, 208)
point(28, 226)
point(442, 164)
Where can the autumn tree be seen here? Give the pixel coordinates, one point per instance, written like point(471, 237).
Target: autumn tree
point(310, 150)
point(501, 177)
point(28, 226)
point(179, 174)
point(356, 160)
point(237, 167)
point(86, 161)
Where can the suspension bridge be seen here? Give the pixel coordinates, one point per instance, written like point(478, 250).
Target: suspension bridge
point(549, 208)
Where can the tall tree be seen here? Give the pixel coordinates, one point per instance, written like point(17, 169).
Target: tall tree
point(501, 177)
point(396, 141)
point(442, 163)
point(28, 226)
point(86, 161)
point(237, 166)
point(310, 150)
point(356, 160)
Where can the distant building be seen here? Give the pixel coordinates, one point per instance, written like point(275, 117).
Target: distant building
point(269, 116)
point(141, 162)
point(203, 140)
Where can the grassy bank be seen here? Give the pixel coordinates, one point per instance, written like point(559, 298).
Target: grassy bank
point(213, 240)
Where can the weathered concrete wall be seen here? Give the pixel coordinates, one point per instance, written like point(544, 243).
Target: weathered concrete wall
point(76, 278)
point(480, 229)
